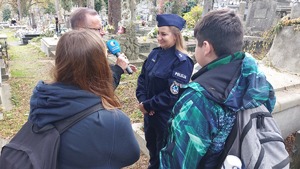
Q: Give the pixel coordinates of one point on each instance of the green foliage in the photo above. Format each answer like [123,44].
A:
[66,5]
[136,116]
[100,4]
[153,32]
[25,6]
[176,8]
[50,8]
[78,3]
[48,33]
[6,14]
[193,16]
[36,39]
[189,5]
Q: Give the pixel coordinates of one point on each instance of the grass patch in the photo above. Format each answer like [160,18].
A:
[27,66]
[18,73]
[10,33]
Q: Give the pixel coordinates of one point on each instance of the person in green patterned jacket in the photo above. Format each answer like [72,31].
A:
[229,81]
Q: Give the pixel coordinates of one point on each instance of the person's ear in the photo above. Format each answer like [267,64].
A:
[207,48]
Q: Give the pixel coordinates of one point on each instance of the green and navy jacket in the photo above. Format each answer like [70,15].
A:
[204,115]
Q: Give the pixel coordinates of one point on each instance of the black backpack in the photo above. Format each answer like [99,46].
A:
[37,148]
[256,139]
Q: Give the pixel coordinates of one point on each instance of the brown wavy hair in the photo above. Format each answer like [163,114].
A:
[81,61]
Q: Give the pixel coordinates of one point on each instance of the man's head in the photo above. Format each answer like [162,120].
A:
[222,29]
[85,18]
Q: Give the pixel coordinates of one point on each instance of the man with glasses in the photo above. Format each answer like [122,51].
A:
[86,18]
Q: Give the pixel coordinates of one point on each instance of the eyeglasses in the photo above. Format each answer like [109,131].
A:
[96,29]
[100,30]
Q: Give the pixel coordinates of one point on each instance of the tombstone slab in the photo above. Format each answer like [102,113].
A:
[261,15]
[285,52]
[295,13]
[48,46]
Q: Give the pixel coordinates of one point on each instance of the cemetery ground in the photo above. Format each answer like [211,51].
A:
[28,65]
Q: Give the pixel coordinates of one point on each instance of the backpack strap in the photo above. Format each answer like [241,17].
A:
[229,142]
[65,124]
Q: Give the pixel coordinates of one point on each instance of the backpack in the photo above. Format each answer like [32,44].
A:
[256,139]
[37,148]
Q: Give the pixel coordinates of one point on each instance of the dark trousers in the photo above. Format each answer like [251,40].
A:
[154,135]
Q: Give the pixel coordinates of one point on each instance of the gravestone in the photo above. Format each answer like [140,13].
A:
[295,13]
[128,40]
[145,10]
[261,15]
[283,8]
[285,52]
[241,10]
[48,46]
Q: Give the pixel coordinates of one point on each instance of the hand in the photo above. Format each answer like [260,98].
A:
[133,68]
[102,32]
[151,113]
[144,111]
[122,61]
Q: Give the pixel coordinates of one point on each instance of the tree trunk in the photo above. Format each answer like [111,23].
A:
[57,9]
[19,9]
[114,13]
[208,6]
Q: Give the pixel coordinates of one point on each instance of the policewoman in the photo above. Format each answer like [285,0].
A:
[166,68]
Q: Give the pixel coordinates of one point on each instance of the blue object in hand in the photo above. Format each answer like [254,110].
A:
[115,49]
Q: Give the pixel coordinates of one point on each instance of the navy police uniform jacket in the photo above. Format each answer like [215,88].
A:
[158,84]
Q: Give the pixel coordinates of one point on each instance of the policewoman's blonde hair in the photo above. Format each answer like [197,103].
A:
[180,44]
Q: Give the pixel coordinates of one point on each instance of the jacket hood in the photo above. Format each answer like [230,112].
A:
[52,102]
[236,82]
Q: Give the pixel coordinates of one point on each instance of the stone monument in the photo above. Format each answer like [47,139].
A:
[285,52]
[295,13]
[261,15]
[128,40]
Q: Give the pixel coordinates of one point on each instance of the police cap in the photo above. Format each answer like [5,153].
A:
[170,20]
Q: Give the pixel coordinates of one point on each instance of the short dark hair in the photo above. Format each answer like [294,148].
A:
[78,17]
[222,29]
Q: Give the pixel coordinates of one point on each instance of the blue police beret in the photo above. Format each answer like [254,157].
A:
[170,20]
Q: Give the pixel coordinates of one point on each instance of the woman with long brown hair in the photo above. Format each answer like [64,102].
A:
[81,79]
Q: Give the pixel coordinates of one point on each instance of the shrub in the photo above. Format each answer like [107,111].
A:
[193,16]
[6,14]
